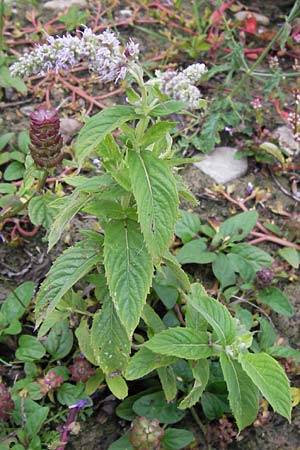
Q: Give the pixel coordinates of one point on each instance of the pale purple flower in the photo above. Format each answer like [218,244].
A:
[181,85]
[103,53]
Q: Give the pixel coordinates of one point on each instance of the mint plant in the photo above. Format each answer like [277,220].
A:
[136,201]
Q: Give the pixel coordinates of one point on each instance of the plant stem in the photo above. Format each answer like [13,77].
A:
[1,24]
[293,13]
[198,421]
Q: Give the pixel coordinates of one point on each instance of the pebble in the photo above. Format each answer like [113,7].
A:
[286,140]
[61,5]
[260,18]
[221,166]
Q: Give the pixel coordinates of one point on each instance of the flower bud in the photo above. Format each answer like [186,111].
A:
[46,140]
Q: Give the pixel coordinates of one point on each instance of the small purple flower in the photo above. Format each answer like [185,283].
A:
[80,403]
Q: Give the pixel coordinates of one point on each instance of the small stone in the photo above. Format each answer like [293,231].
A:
[221,166]
[260,18]
[61,5]
[286,140]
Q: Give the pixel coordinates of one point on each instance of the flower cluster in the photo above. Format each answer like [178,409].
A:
[81,369]
[181,85]
[103,53]
[6,403]
[50,382]
[46,140]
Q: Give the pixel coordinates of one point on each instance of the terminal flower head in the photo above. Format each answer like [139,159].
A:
[102,52]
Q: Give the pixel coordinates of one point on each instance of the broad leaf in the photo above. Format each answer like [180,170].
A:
[176,438]
[109,340]
[224,270]
[157,131]
[201,374]
[254,255]
[291,256]
[168,381]
[152,320]
[243,394]
[144,361]
[269,377]
[67,269]
[40,210]
[155,406]
[274,298]
[181,276]
[168,107]
[85,342]
[188,226]
[128,268]
[17,301]
[29,349]
[154,189]
[98,126]
[216,314]
[118,386]
[59,341]
[195,252]
[67,210]
[239,226]
[181,342]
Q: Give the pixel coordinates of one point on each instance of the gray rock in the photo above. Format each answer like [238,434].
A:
[61,5]
[221,166]
[286,140]
[260,18]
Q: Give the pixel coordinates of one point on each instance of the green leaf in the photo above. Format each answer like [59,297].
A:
[67,269]
[266,334]
[239,226]
[14,171]
[216,314]
[152,320]
[155,406]
[168,107]
[171,262]
[276,299]
[121,444]
[201,374]
[85,343]
[165,285]
[94,382]
[29,349]
[269,377]
[69,208]
[128,269]
[8,81]
[156,132]
[243,394]
[112,160]
[59,341]
[210,132]
[144,362]
[7,188]
[154,189]
[194,252]
[214,405]
[273,150]
[4,140]
[98,126]
[182,343]
[254,255]
[40,210]
[176,438]
[104,209]
[69,394]
[242,266]
[188,226]
[282,351]
[109,340]
[168,381]
[17,302]
[224,270]
[117,386]
[290,255]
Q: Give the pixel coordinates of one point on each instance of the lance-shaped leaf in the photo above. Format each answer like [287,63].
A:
[216,314]
[181,342]
[170,261]
[243,394]
[67,269]
[97,127]
[144,361]
[109,340]
[128,268]
[167,379]
[85,342]
[269,377]
[154,189]
[201,373]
